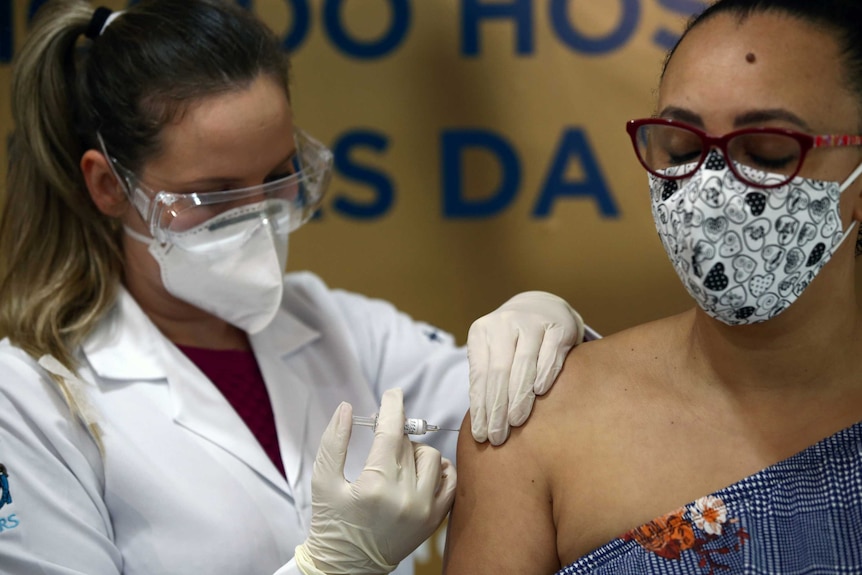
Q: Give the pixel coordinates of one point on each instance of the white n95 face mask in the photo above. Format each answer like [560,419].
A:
[231,266]
[745,254]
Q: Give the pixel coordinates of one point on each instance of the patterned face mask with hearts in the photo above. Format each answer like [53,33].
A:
[745,254]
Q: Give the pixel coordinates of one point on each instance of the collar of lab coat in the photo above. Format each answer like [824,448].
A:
[127,346]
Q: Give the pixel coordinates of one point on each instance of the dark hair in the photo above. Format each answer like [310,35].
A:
[60,260]
[159,56]
[842,17]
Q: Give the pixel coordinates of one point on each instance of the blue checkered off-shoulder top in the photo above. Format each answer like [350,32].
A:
[800,516]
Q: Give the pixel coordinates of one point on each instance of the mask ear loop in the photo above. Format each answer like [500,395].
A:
[138,236]
[854,175]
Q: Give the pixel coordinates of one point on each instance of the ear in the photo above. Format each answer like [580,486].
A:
[107,193]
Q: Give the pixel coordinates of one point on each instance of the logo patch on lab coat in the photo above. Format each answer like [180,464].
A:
[12,521]
[5,494]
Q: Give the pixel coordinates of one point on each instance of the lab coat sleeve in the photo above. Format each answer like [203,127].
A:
[57,521]
[398,351]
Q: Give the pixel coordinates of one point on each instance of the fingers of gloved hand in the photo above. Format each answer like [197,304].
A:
[328,470]
[428,467]
[555,346]
[446,486]
[444,490]
[519,412]
[504,379]
[522,380]
[513,360]
[435,485]
[390,448]
[478,357]
[492,421]
[498,427]
[411,510]
[546,309]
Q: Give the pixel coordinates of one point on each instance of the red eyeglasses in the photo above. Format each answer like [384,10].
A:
[761,157]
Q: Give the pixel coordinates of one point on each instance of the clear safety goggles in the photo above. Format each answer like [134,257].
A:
[285,203]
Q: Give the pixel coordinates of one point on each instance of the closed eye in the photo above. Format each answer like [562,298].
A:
[771,163]
[677,159]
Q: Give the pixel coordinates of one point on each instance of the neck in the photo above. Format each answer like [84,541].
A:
[811,347]
[815,342]
[198,329]
[766,357]
[780,388]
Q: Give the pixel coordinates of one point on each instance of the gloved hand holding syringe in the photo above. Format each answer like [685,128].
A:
[367,526]
[412,425]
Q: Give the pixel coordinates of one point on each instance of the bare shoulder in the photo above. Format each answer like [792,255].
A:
[513,501]
[593,429]
[607,377]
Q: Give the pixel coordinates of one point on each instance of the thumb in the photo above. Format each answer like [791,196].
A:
[329,463]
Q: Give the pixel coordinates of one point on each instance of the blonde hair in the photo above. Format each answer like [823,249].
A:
[59,258]
[60,261]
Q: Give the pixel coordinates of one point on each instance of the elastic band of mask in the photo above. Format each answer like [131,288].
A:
[854,175]
[137,235]
[102,18]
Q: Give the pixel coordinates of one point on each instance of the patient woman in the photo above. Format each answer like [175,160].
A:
[726,439]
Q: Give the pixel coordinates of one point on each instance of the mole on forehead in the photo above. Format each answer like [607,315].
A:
[750,58]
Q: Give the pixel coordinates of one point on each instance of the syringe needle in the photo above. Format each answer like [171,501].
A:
[430,427]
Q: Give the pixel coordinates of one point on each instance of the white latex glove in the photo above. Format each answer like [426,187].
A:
[516,352]
[400,498]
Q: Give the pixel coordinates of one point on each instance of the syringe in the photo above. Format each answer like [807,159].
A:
[413,426]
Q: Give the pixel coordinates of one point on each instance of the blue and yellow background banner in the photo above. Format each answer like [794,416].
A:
[480,150]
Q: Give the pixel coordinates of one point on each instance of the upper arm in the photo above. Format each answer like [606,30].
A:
[56,521]
[502,520]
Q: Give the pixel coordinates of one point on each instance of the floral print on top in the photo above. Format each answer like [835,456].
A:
[801,516]
[703,529]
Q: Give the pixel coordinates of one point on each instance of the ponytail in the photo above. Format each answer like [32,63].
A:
[59,259]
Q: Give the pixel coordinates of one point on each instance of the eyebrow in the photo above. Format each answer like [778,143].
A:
[228,182]
[682,115]
[743,120]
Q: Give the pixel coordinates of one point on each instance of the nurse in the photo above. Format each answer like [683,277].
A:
[165,388]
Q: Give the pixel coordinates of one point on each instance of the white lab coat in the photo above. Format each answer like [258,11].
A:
[183,486]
